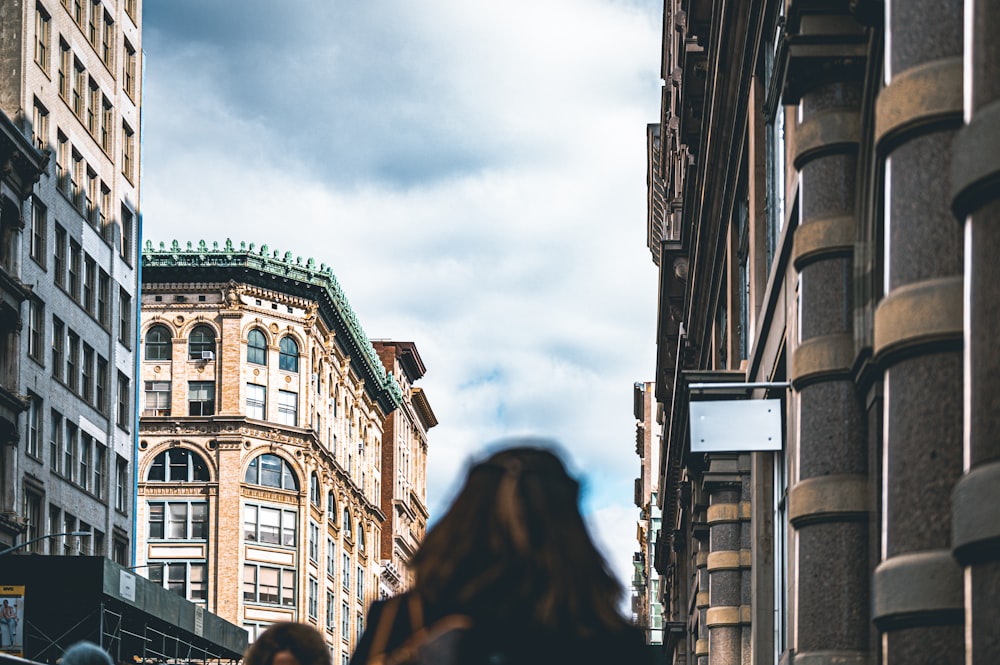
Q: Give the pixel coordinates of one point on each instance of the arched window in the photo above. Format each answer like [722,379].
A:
[158,343]
[314,490]
[271,471]
[331,508]
[288,359]
[347,524]
[178,465]
[201,344]
[256,347]
[361,538]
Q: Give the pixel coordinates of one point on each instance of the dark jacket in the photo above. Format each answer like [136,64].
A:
[488,642]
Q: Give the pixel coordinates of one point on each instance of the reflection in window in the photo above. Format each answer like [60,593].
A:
[288,359]
[178,465]
[272,526]
[185,579]
[271,471]
[178,520]
[201,344]
[266,584]
[158,345]
[256,347]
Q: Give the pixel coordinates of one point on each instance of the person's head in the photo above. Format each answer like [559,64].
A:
[288,643]
[513,541]
[85,653]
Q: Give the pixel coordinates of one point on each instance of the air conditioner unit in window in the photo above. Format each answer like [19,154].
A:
[208,355]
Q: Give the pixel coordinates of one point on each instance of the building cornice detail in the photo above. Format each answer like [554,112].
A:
[260,267]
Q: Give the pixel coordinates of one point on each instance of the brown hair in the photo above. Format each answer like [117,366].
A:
[513,547]
[305,643]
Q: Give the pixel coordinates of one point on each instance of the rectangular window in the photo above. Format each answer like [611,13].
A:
[100,469]
[186,579]
[69,450]
[345,621]
[124,420]
[128,152]
[331,607]
[58,345]
[89,284]
[76,181]
[62,163]
[40,127]
[313,541]
[360,619]
[107,129]
[87,374]
[312,598]
[36,330]
[130,8]
[101,385]
[33,513]
[331,557]
[43,37]
[361,583]
[39,231]
[108,42]
[85,457]
[73,272]
[267,584]
[201,398]
[72,376]
[346,570]
[94,25]
[127,231]
[256,401]
[288,408]
[125,318]
[122,484]
[157,402]
[35,410]
[65,64]
[103,297]
[128,74]
[55,441]
[93,107]
[93,190]
[271,526]
[78,12]
[79,87]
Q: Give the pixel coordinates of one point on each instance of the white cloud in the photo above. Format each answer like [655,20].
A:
[474,173]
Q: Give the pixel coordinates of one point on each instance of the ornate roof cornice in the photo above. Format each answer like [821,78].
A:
[268,269]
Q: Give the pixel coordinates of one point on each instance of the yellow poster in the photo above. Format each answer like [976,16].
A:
[11,620]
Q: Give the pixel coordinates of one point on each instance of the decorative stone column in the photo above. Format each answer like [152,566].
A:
[976,184]
[828,501]
[918,335]
[727,561]
[226,557]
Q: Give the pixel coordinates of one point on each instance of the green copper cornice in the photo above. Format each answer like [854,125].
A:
[243,263]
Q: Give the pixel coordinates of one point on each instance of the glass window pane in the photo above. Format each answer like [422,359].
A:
[269,525]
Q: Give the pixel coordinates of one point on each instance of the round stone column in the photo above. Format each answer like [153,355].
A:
[918,333]
[976,202]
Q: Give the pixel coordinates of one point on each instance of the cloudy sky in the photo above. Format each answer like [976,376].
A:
[474,172]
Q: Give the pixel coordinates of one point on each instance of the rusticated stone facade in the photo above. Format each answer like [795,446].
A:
[823,185]
[260,440]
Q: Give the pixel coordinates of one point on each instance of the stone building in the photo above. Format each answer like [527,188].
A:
[261,439]
[70,96]
[647,611]
[823,186]
[404,466]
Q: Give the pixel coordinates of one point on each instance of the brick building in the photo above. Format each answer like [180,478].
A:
[647,610]
[823,185]
[70,96]
[404,466]
[261,440]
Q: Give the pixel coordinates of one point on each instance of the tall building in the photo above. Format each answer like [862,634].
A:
[260,439]
[404,466]
[71,85]
[647,611]
[823,185]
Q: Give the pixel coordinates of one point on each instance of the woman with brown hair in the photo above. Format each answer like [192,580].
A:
[508,575]
[288,643]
